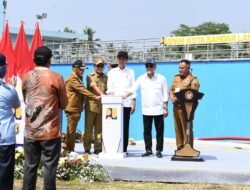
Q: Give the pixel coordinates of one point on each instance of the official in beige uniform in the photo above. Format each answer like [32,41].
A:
[182,81]
[97,84]
[76,93]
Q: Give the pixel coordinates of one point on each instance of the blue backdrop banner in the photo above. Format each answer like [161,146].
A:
[223,111]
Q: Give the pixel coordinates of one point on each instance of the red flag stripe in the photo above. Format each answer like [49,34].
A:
[22,53]
[36,41]
[7,49]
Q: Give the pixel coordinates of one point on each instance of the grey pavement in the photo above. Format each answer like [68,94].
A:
[225,162]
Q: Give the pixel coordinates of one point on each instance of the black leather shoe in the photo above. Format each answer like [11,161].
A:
[158,154]
[97,152]
[147,153]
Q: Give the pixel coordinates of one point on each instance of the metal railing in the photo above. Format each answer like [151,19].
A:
[140,50]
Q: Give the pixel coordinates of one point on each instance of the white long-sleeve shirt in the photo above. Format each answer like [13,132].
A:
[154,92]
[119,81]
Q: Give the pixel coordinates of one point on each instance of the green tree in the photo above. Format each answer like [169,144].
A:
[183,30]
[110,52]
[110,48]
[67,29]
[93,43]
[153,52]
[212,28]
[205,28]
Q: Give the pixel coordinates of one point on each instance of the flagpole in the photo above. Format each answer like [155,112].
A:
[41,17]
[4,12]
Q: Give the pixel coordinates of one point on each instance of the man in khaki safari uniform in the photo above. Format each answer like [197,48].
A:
[76,93]
[183,80]
[97,84]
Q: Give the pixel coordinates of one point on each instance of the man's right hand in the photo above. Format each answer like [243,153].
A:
[12,81]
[98,98]
[173,98]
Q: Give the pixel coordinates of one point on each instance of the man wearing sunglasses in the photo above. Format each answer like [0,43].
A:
[96,84]
[154,97]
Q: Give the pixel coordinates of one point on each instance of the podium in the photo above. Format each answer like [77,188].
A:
[189,102]
[112,127]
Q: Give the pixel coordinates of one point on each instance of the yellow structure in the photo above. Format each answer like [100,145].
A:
[206,39]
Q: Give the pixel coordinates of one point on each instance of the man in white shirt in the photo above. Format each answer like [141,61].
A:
[120,79]
[154,96]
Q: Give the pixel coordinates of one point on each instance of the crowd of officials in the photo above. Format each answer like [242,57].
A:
[46,94]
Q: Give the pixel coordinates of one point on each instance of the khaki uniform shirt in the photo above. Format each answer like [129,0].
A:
[44,95]
[189,81]
[101,82]
[76,92]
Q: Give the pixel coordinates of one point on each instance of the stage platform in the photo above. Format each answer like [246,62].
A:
[224,162]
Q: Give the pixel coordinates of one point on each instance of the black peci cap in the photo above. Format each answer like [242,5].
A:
[42,55]
[2,59]
[79,64]
[150,61]
[122,54]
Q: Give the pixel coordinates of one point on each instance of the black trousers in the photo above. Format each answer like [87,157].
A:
[159,127]
[126,118]
[50,152]
[7,164]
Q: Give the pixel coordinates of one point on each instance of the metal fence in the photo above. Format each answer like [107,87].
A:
[139,50]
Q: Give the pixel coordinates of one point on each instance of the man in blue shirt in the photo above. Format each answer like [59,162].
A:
[8,100]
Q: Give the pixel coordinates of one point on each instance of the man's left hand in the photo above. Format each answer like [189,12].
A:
[132,107]
[165,112]
[12,81]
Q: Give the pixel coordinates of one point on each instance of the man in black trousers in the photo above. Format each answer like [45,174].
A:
[45,96]
[8,100]
[154,93]
[120,79]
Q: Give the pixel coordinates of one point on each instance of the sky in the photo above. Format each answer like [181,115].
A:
[129,19]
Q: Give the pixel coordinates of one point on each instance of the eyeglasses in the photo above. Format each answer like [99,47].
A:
[149,65]
[182,68]
[100,66]
[80,69]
